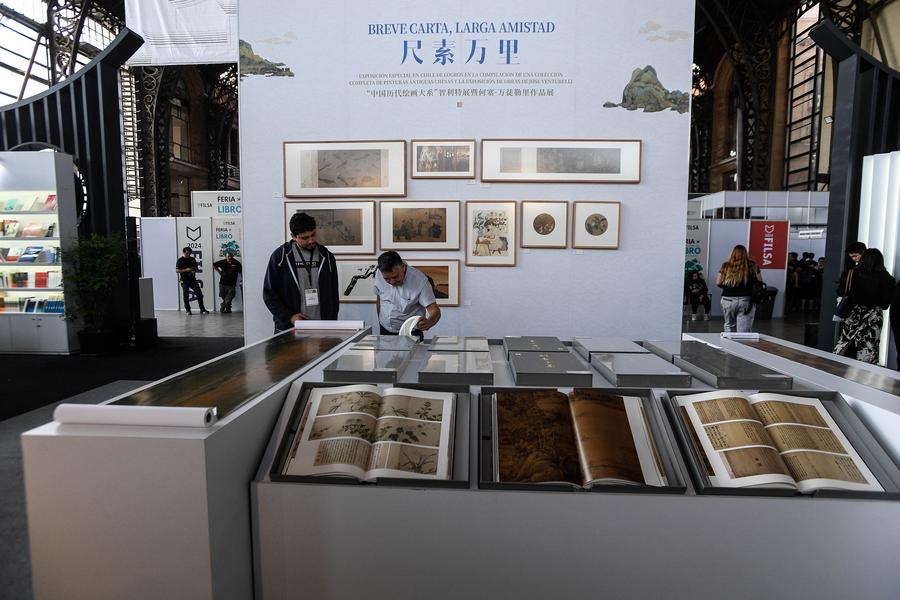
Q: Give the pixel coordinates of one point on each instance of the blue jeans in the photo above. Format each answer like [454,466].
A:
[736,314]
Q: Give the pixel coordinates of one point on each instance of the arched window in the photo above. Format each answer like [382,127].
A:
[179,125]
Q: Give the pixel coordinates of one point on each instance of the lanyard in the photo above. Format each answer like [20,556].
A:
[308,267]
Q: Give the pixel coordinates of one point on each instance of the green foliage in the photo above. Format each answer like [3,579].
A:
[92,269]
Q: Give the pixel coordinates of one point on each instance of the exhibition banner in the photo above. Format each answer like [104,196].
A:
[696,250]
[769,243]
[183,32]
[196,234]
[216,204]
[226,237]
[413,100]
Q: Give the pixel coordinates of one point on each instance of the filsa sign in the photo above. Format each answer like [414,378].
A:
[768,243]
[216,204]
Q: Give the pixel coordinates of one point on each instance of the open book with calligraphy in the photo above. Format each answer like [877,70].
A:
[361,432]
[772,440]
[587,437]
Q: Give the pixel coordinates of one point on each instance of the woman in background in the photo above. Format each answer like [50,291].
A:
[736,279]
[870,290]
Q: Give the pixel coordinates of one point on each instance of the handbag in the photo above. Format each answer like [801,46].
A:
[759,291]
[844,304]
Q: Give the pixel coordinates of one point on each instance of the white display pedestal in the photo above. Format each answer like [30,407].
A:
[356,541]
[149,512]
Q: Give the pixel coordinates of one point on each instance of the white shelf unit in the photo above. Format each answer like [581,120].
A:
[32,292]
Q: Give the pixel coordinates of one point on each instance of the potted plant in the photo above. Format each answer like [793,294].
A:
[93,268]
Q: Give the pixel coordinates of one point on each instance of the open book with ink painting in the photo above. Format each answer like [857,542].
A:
[585,438]
[361,432]
[772,440]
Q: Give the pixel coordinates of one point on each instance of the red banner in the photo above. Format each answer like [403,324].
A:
[769,243]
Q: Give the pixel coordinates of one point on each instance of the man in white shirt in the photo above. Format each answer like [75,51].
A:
[401,292]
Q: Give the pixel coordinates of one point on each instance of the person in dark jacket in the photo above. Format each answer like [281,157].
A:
[301,278]
[870,289]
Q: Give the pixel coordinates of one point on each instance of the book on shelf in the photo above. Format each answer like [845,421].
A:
[41,278]
[50,203]
[32,230]
[584,438]
[13,254]
[54,279]
[360,432]
[10,205]
[30,305]
[771,440]
[30,254]
[9,228]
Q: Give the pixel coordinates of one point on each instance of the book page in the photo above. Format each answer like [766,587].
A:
[734,440]
[812,445]
[534,440]
[606,431]
[336,436]
[413,436]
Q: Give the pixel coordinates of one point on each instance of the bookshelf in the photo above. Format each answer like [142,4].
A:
[37,226]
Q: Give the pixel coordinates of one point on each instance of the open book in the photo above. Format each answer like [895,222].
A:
[357,431]
[772,440]
[587,437]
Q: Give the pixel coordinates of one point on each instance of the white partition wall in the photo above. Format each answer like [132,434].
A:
[879,224]
[159,252]
[523,69]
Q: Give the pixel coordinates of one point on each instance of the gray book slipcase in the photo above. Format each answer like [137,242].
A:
[367,366]
[586,346]
[722,370]
[560,369]
[639,370]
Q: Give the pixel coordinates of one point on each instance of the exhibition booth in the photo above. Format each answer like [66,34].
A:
[556,435]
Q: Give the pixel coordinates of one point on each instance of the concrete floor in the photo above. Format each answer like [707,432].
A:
[176,323]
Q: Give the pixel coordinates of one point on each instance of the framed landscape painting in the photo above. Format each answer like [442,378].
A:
[544,224]
[424,225]
[490,234]
[344,227]
[443,276]
[345,169]
[442,159]
[596,225]
[356,279]
[561,161]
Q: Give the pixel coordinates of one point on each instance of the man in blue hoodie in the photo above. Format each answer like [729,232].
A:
[301,278]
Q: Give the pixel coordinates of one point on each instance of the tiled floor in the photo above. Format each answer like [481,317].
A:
[175,323]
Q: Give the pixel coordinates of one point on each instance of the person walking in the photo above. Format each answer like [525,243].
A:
[736,278]
[870,288]
[187,268]
[229,268]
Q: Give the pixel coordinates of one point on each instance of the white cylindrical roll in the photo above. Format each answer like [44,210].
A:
[161,416]
[318,325]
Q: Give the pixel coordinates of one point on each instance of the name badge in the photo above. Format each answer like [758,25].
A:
[311,296]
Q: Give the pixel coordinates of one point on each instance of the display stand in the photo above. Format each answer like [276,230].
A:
[318,540]
[163,512]
[37,226]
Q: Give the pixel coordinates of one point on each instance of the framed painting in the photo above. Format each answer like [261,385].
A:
[490,233]
[407,225]
[596,225]
[345,169]
[356,279]
[344,227]
[443,276]
[561,161]
[442,159]
[544,224]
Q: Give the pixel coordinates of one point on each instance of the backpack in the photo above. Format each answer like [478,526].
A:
[759,291]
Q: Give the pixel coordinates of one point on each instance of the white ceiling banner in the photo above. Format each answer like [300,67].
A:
[183,32]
